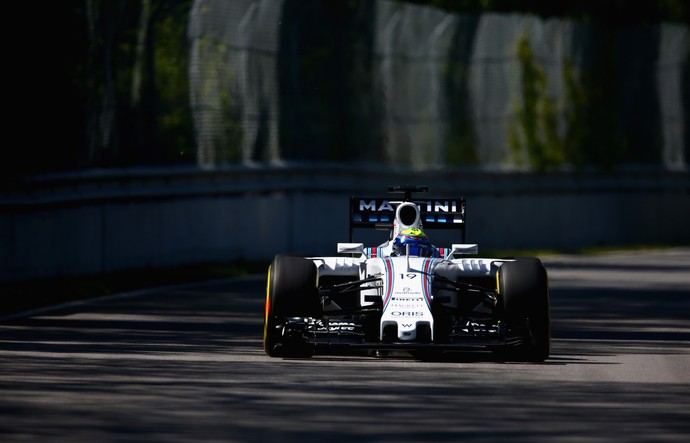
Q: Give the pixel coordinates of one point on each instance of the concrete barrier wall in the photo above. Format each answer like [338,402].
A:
[102,221]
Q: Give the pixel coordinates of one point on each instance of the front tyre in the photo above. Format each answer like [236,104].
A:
[290,292]
[524,290]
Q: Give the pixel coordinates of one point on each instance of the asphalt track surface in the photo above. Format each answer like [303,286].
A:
[185,364]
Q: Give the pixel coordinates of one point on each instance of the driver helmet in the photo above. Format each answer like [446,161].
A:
[418,242]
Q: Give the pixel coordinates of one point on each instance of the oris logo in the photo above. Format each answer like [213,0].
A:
[407,314]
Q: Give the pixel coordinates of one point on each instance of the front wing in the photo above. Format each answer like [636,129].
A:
[343,335]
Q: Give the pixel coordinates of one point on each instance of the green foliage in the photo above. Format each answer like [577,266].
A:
[461,144]
[135,83]
[593,135]
[171,62]
[536,134]
[95,48]
[462,149]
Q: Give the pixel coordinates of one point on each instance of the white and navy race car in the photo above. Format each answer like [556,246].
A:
[407,294]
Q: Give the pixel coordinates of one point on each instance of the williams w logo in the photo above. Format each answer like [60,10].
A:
[406,325]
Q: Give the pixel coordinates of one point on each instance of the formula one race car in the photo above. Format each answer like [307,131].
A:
[406,294]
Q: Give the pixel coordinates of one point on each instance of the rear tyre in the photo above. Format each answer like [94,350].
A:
[290,292]
[524,290]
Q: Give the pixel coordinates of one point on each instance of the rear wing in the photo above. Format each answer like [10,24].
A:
[435,213]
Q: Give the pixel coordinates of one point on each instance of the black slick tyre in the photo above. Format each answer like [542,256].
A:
[524,291]
[290,292]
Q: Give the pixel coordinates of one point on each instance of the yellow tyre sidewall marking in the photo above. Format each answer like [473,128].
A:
[267,306]
[498,285]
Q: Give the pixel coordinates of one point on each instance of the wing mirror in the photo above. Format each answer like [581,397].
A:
[351,248]
[464,249]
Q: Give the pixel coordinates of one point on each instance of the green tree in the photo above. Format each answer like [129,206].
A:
[593,135]
[135,81]
[535,133]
